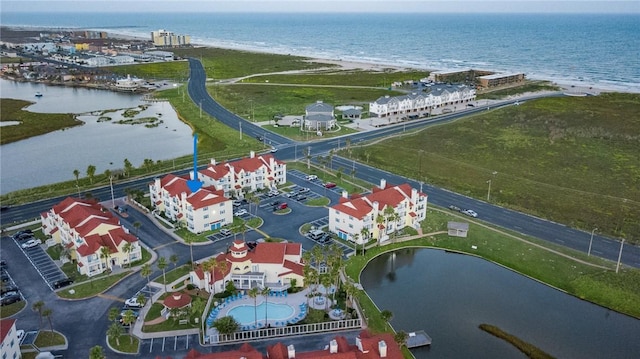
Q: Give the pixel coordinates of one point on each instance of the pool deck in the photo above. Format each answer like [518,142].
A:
[294,300]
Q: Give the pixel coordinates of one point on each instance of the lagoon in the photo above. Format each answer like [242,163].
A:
[448,295]
[52,157]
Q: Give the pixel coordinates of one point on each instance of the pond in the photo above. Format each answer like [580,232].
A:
[448,295]
[101,142]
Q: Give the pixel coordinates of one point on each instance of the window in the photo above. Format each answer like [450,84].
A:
[206,216]
[205,208]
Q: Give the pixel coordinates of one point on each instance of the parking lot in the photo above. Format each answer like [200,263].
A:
[168,344]
[45,266]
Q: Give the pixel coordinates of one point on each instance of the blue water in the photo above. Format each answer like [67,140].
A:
[582,49]
[246,314]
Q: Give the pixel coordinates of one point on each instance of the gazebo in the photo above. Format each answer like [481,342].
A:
[176,300]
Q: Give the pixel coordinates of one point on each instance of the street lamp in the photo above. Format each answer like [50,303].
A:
[620,255]
[591,241]
[200,108]
[113,201]
[489,189]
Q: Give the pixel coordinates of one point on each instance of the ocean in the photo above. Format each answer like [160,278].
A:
[602,51]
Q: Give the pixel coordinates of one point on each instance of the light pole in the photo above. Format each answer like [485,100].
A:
[78,187]
[240,123]
[489,189]
[620,255]
[591,241]
[200,108]
[113,201]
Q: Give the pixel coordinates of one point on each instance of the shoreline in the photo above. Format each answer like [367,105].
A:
[571,87]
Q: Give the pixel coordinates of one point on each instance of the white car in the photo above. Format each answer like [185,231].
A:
[273,192]
[133,302]
[30,243]
[303,190]
[20,335]
[311,177]
[274,150]
[241,212]
[470,213]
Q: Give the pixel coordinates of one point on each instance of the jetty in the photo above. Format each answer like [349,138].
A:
[418,339]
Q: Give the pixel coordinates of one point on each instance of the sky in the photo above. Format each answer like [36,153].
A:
[326,6]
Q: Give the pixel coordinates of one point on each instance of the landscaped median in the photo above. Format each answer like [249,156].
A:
[92,287]
[565,269]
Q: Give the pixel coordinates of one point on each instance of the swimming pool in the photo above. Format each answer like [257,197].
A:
[246,314]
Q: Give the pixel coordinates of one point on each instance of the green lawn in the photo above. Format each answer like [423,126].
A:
[92,287]
[11,309]
[47,338]
[573,160]
[128,343]
[174,274]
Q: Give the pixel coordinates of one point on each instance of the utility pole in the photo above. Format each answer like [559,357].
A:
[591,241]
[240,122]
[113,201]
[200,108]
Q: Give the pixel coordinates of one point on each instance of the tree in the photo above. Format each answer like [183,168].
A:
[48,313]
[37,307]
[96,352]
[105,253]
[364,232]
[115,331]
[128,248]
[401,338]
[174,260]
[265,293]
[197,306]
[128,318]
[127,167]
[91,172]
[162,265]
[137,226]
[379,222]
[107,173]
[326,283]
[146,271]
[114,313]
[76,174]
[386,315]
[253,293]
[226,325]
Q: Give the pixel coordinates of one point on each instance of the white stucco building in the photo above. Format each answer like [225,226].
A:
[250,174]
[200,211]
[421,103]
[362,218]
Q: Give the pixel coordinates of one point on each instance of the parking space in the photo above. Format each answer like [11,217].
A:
[45,266]
[219,236]
[320,222]
[169,344]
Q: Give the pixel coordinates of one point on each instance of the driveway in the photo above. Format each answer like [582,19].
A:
[46,267]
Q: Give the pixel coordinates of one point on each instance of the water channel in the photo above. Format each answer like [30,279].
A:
[52,157]
[448,295]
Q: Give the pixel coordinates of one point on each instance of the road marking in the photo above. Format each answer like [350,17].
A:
[151,346]
[597,252]
[559,240]
[112,297]
[164,245]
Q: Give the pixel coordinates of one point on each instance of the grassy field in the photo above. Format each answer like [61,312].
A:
[333,77]
[157,71]
[573,160]
[530,86]
[31,123]
[92,287]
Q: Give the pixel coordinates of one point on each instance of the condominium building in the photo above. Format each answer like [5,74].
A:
[93,235]
[249,174]
[164,38]
[496,80]
[422,103]
[379,214]
[200,211]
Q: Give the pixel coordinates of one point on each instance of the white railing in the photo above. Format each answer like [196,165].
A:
[277,332]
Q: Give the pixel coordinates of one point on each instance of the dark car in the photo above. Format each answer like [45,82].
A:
[330,185]
[275,203]
[454,208]
[259,138]
[10,299]
[8,288]
[3,264]
[62,283]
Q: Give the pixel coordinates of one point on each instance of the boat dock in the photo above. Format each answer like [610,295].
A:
[418,339]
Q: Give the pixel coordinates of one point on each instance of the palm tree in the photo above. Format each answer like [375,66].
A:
[105,253]
[48,313]
[386,315]
[97,352]
[350,290]
[401,338]
[253,293]
[356,237]
[162,265]
[76,174]
[222,266]
[189,240]
[128,248]
[174,260]
[115,331]
[365,237]
[265,293]
[395,218]
[91,171]
[127,167]
[37,307]
[379,222]
[127,319]
[388,215]
[137,226]
[146,271]
[114,313]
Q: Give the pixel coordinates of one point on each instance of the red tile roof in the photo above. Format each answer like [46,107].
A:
[177,300]
[5,326]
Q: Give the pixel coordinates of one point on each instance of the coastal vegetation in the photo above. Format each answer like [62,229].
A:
[30,123]
[528,349]
[573,160]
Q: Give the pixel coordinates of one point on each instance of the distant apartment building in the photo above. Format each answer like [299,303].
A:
[164,38]
[250,174]
[421,103]
[457,76]
[160,55]
[86,228]
[497,80]
[377,215]
[200,211]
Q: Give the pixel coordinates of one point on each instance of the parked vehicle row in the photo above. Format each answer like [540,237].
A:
[9,292]
[468,212]
[319,236]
